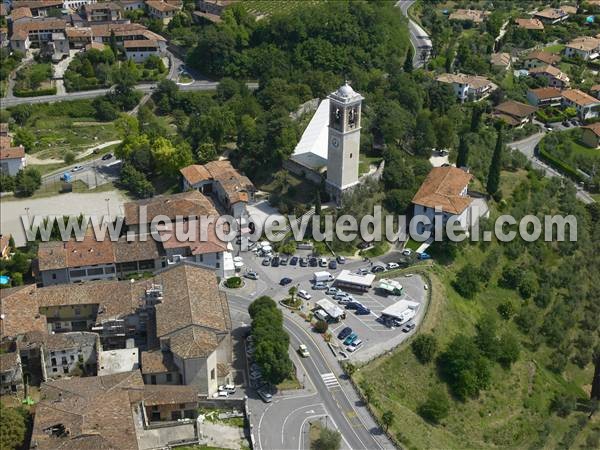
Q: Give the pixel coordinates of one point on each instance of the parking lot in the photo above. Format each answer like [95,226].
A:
[376,337]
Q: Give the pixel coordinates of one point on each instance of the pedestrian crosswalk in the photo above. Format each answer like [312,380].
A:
[330,380]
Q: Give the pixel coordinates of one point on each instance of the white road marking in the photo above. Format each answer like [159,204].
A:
[330,380]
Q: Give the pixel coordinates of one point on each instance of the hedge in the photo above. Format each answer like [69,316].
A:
[38,93]
[560,165]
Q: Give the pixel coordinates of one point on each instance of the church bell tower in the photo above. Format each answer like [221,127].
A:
[344,140]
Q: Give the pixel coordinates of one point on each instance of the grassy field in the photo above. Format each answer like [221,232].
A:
[513,412]
[365,163]
[555,48]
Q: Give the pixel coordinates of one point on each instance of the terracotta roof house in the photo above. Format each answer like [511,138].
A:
[543,97]
[501,60]
[232,189]
[11,373]
[587,48]
[539,58]
[587,107]
[20,14]
[446,188]
[469,15]
[554,76]
[530,24]
[551,15]
[19,312]
[468,87]
[514,113]
[162,10]
[38,7]
[102,12]
[12,158]
[590,135]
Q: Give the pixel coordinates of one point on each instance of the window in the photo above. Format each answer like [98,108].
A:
[182,406]
[169,378]
[80,358]
[77,311]
[72,357]
[54,276]
[65,369]
[350,155]
[212,374]
[152,379]
[217,265]
[53,361]
[54,369]
[64,360]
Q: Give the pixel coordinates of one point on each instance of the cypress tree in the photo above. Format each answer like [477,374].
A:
[408,62]
[493,181]
[462,160]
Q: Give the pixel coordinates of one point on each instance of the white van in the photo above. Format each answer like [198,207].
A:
[322,277]
[352,347]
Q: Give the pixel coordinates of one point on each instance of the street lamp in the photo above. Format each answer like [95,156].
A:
[107,207]
[28,215]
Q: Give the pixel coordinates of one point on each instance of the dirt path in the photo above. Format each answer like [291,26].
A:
[34,161]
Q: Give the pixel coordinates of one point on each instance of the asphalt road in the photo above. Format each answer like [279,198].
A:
[527,147]
[418,36]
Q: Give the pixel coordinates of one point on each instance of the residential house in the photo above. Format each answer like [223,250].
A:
[586,48]
[19,312]
[3,129]
[219,178]
[539,58]
[5,246]
[140,50]
[215,7]
[515,114]
[162,10]
[102,12]
[80,37]
[170,403]
[75,5]
[468,87]
[70,354]
[553,76]
[39,8]
[132,5]
[551,15]
[530,24]
[12,159]
[158,368]
[501,61]
[590,135]
[194,324]
[595,90]
[36,32]
[469,15]
[119,360]
[587,106]
[90,260]
[11,375]
[543,97]
[126,32]
[446,188]
[20,15]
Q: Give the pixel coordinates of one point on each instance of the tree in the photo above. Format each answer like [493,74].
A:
[595,392]
[493,181]
[260,304]
[462,160]
[12,428]
[436,407]
[113,43]
[563,403]
[25,138]
[387,418]
[27,181]
[69,157]
[476,113]
[292,292]
[425,138]
[509,349]
[321,326]
[105,109]
[424,347]
[408,61]
[464,368]
[467,281]
[327,440]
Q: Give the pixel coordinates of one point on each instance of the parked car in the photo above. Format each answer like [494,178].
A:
[340,295]
[266,261]
[333,264]
[354,346]
[363,311]
[407,252]
[377,269]
[229,388]
[341,260]
[344,333]
[323,262]
[313,262]
[354,305]
[303,262]
[392,266]
[283,261]
[320,286]
[265,396]
[362,271]
[408,327]
[77,168]
[566,123]
[285,281]
[333,291]
[364,245]
[107,156]
[293,260]
[303,294]
[251,275]
[351,338]
[423,256]
[344,301]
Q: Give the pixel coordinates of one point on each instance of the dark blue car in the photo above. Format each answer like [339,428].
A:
[363,311]
[344,333]
[353,305]
[293,261]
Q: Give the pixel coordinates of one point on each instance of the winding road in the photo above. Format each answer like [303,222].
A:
[418,36]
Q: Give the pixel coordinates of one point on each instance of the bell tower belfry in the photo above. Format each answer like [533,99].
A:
[344,140]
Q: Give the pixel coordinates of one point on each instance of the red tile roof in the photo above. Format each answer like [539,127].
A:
[442,188]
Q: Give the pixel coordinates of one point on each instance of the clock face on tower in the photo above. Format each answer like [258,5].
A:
[334,142]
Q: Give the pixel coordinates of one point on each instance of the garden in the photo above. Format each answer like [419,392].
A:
[34,80]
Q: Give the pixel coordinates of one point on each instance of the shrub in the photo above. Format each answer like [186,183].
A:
[436,406]
[563,404]
[69,157]
[233,282]
[424,347]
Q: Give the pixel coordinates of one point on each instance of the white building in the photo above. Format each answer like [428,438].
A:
[586,47]
[401,311]
[12,159]
[76,4]
[119,360]
[446,188]
[587,107]
[468,87]
[140,50]
[350,280]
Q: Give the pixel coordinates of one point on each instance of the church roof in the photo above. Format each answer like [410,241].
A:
[311,150]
